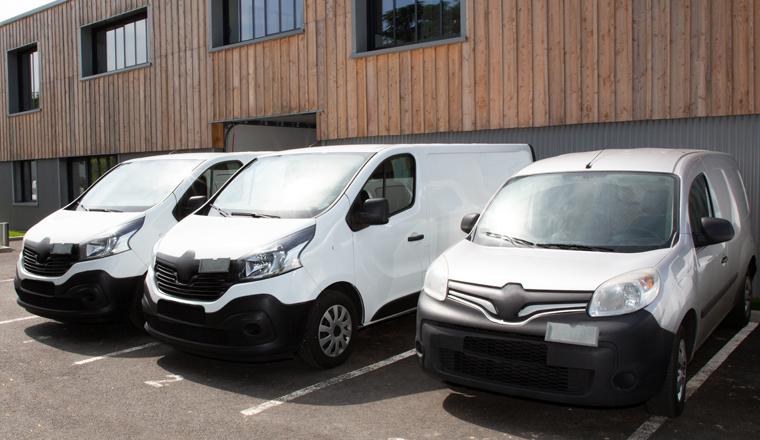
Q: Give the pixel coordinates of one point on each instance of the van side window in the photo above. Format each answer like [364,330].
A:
[700,204]
[208,183]
[394,180]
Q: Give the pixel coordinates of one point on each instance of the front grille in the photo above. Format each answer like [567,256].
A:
[52,303]
[540,377]
[182,312]
[202,286]
[507,350]
[54,266]
[203,335]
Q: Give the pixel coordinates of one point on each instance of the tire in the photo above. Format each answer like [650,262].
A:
[739,316]
[670,402]
[330,331]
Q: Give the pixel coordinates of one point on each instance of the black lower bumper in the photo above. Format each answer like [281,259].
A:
[459,345]
[250,329]
[87,297]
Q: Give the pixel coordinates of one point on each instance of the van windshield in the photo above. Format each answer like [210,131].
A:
[288,186]
[589,211]
[136,186]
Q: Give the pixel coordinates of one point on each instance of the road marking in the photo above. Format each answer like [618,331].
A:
[116,353]
[160,383]
[41,338]
[654,422]
[318,386]
[19,319]
[5,281]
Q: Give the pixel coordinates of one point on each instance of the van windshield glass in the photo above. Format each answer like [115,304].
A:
[136,186]
[589,211]
[288,186]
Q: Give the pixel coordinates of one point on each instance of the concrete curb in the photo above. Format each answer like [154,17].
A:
[15,238]
[5,249]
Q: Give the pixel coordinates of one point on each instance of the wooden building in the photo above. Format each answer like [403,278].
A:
[563,75]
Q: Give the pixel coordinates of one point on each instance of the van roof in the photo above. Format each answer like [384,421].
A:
[653,160]
[192,156]
[374,148]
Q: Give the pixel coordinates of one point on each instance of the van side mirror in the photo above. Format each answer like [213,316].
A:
[374,212]
[468,222]
[192,204]
[714,231]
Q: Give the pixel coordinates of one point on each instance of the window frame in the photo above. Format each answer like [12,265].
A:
[385,163]
[17,180]
[87,52]
[217,19]
[361,33]
[13,66]
[710,202]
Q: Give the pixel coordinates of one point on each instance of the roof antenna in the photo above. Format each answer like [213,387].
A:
[588,165]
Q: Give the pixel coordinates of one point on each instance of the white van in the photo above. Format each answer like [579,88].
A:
[302,248]
[87,261]
[592,278]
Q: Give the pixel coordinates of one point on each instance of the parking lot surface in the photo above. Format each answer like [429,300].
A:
[113,381]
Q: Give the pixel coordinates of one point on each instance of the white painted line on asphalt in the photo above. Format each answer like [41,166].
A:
[116,353]
[5,281]
[160,383]
[318,386]
[654,422]
[19,319]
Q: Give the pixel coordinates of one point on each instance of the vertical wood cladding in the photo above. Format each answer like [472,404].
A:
[526,63]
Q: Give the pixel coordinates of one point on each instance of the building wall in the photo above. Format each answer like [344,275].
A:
[525,63]
[23,216]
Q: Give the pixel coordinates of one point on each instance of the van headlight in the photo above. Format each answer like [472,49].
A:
[625,293]
[276,258]
[112,242]
[437,279]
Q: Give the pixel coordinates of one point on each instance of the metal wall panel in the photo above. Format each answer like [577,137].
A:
[736,135]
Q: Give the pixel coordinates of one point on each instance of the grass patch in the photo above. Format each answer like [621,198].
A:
[13,233]
[755,303]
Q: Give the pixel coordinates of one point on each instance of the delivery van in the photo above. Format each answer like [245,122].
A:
[592,278]
[301,249]
[86,262]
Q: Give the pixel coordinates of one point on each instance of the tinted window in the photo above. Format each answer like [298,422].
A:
[212,179]
[393,180]
[700,204]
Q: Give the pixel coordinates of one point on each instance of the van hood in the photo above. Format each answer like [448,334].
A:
[76,227]
[542,269]
[226,237]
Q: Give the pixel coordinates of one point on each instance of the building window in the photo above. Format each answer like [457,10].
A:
[399,22]
[23,79]
[84,171]
[25,181]
[238,21]
[115,44]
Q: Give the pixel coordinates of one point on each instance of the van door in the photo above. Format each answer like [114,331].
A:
[387,257]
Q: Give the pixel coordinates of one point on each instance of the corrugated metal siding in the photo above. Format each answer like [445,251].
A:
[736,135]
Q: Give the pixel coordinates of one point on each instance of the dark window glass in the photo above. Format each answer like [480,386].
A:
[27,81]
[700,204]
[84,171]
[249,19]
[25,181]
[399,22]
[120,45]
[393,180]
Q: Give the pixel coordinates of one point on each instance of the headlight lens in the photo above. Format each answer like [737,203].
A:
[437,279]
[625,293]
[113,242]
[276,258]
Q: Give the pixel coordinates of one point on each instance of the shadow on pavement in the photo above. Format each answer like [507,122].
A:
[89,340]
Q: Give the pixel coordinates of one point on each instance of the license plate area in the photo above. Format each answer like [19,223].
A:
[572,334]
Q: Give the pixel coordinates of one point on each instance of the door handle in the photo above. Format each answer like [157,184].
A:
[415,237]
[724,260]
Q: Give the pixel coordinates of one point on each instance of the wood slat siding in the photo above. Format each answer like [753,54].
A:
[525,63]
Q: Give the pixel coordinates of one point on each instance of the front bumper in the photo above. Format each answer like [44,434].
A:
[251,328]
[457,344]
[85,297]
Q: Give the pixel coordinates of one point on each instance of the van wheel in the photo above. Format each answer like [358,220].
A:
[330,331]
[740,314]
[672,397]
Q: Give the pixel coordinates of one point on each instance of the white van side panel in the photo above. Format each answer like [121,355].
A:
[462,183]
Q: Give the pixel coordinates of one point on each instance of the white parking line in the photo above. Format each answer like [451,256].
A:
[654,422]
[19,319]
[318,386]
[5,281]
[116,353]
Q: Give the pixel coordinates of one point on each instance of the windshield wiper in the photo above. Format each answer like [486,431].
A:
[102,209]
[254,215]
[83,207]
[220,210]
[515,241]
[575,247]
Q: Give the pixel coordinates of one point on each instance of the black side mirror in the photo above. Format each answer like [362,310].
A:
[374,212]
[192,204]
[468,222]
[715,230]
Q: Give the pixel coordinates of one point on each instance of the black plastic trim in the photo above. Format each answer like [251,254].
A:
[399,305]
